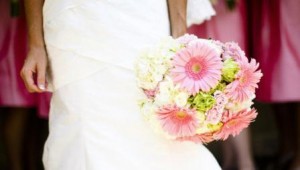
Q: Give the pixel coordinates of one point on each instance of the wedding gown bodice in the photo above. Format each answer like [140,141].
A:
[109,31]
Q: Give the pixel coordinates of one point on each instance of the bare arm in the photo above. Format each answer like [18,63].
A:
[36,61]
[177,15]
[33,9]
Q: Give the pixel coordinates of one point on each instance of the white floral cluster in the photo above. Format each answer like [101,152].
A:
[154,63]
[170,94]
[151,70]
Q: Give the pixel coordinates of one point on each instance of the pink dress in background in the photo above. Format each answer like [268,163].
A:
[13,49]
[276,39]
[226,25]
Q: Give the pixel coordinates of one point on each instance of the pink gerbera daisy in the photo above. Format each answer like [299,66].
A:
[178,121]
[235,123]
[245,84]
[201,138]
[197,67]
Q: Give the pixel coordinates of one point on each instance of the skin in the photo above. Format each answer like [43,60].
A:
[177,15]
[33,72]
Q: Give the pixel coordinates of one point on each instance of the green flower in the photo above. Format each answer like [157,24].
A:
[220,87]
[215,127]
[202,101]
[229,70]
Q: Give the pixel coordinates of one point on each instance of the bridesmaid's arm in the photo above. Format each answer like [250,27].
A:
[177,15]
[36,61]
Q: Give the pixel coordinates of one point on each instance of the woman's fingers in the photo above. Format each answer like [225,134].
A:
[41,76]
[28,78]
[34,70]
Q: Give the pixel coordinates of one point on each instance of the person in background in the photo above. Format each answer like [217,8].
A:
[275,43]
[230,24]
[17,107]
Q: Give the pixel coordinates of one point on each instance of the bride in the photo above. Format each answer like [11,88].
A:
[90,46]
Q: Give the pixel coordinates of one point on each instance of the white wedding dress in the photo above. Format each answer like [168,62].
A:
[95,123]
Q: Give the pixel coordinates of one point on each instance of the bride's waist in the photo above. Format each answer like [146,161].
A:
[116,57]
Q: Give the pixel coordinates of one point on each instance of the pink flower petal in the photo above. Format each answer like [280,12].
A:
[202,67]
[178,121]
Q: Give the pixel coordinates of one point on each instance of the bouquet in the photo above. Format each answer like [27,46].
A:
[197,89]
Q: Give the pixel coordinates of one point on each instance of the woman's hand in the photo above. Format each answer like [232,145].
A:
[33,72]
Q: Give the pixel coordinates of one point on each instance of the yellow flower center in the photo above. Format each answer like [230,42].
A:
[196,68]
[180,114]
[243,80]
[232,123]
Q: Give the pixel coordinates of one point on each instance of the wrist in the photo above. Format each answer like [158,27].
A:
[179,32]
[36,42]
[37,46]
[38,51]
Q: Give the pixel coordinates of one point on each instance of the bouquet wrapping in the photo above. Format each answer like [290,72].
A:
[197,89]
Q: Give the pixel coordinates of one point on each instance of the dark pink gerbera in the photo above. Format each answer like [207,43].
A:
[246,82]
[234,123]
[178,121]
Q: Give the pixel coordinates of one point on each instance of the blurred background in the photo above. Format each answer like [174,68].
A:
[268,30]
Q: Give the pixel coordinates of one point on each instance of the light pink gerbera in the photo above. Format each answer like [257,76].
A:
[235,123]
[178,121]
[244,86]
[201,138]
[197,67]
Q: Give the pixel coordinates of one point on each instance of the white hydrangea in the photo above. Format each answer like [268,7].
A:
[147,107]
[181,99]
[170,44]
[171,94]
[152,65]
